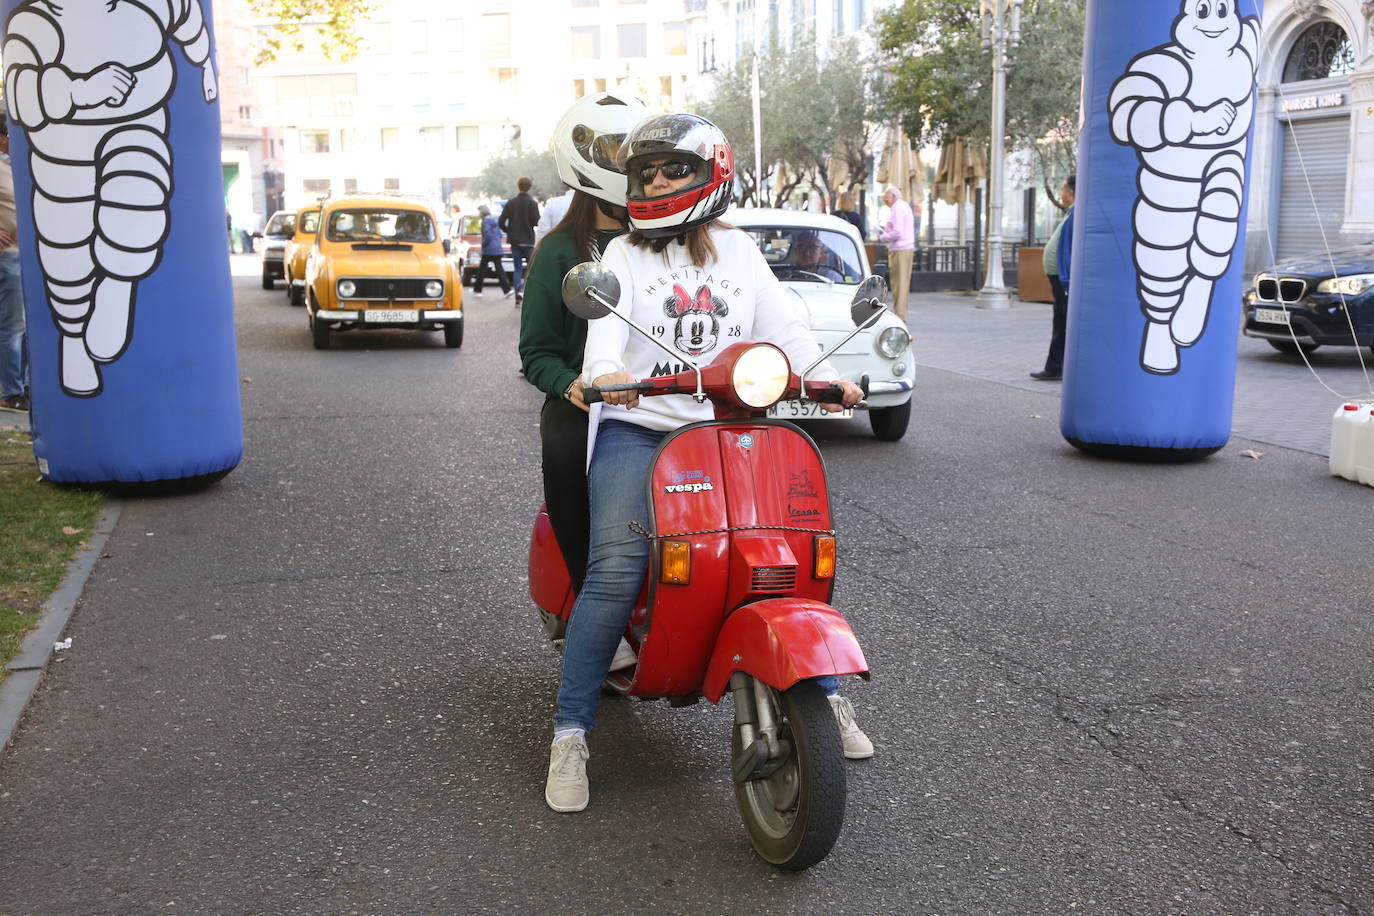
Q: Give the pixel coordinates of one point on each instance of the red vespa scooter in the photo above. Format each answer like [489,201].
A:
[741,572]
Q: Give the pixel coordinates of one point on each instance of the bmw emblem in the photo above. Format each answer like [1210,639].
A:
[746,441]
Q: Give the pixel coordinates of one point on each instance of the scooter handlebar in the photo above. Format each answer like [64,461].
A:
[591,394]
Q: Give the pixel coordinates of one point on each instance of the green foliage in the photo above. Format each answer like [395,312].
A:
[498,176]
[812,109]
[334,23]
[940,78]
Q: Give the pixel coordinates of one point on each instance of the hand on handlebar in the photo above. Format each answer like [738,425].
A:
[627,398]
[853,394]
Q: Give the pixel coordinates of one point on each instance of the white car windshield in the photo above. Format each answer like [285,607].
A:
[808,255]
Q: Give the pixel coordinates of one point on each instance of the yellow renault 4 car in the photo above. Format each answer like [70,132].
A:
[307,221]
[379,262]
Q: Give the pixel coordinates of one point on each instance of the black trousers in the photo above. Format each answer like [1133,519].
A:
[1054,360]
[495,261]
[563,436]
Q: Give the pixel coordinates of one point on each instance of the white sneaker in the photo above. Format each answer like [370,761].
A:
[566,789]
[477,294]
[624,656]
[856,743]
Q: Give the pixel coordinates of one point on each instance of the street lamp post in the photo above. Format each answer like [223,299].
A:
[1001,32]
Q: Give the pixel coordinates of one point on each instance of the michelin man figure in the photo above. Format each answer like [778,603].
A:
[90,81]
[1186,108]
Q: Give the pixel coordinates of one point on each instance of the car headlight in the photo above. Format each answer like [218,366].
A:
[893,342]
[434,289]
[760,376]
[1352,285]
[347,288]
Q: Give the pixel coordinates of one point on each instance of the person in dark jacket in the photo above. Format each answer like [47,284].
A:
[844,209]
[492,252]
[1058,252]
[517,221]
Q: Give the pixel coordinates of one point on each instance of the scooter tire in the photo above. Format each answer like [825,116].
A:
[794,816]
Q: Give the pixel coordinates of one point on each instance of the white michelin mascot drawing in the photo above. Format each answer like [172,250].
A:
[1186,108]
[89,81]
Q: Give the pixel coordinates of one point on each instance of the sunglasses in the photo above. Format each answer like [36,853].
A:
[673,171]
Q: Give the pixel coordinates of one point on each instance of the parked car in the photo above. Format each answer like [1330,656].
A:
[281,226]
[467,249]
[298,250]
[1310,302]
[820,260]
[379,262]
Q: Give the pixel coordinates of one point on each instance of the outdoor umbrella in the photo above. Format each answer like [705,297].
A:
[900,166]
[960,168]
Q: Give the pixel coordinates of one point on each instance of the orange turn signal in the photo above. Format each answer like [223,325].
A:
[674,562]
[825,556]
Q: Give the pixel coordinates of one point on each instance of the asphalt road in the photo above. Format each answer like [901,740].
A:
[318,687]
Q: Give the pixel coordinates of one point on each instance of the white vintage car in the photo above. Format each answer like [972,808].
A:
[820,260]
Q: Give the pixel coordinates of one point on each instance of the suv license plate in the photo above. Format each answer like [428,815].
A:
[806,410]
[391,316]
[1272,316]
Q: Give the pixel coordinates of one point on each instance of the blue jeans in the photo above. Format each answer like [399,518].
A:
[520,256]
[616,564]
[12,355]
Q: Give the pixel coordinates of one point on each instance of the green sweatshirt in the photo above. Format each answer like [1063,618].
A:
[551,337]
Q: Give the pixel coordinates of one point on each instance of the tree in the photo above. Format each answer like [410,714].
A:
[333,22]
[940,78]
[499,175]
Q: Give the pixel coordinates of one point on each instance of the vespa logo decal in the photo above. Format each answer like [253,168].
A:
[800,485]
[689,482]
[794,512]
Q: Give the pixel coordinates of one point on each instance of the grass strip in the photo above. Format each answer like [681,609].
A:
[41,527]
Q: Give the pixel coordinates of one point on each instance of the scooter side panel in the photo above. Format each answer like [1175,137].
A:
[550,587]
[781,641]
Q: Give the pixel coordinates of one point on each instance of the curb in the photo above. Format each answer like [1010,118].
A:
[26,670]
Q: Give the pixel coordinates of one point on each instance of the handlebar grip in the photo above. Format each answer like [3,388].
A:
[591,394]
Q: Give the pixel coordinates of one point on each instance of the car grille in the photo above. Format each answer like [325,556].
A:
[773,579]
[391,287]
[1282,289]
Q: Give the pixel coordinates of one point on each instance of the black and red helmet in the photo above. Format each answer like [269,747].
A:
[685,138]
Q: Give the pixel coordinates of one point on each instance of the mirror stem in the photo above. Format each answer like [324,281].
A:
[699,396]
[801,379]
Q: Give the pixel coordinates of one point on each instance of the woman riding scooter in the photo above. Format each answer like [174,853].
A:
[700,285]
[585,145]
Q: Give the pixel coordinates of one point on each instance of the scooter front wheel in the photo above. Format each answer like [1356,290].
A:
[794,814]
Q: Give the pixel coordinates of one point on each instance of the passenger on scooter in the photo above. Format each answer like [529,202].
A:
[586,142]
[699,285]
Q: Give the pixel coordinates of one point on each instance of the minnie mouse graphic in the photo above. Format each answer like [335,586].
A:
[698,319]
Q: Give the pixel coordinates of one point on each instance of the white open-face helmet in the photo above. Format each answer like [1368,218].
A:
[587,139]
[692,144]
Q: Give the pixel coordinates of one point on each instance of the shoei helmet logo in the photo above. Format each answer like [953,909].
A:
[746,441]
[689,482]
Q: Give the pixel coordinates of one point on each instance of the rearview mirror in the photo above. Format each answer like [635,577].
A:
[590,291]
[870,299]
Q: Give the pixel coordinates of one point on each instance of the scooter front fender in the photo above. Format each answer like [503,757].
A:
[781,641]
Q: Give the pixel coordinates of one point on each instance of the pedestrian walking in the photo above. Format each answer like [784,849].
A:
[899,235]
[1056,261]
[492,253]
[555,208]
[518,220]
[845,210]
[13,352]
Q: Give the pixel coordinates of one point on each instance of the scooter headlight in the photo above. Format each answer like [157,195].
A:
[893,342]
[760,376]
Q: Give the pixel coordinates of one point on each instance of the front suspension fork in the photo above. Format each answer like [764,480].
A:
[761,752]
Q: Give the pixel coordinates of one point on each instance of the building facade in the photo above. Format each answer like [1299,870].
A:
[1312,166]
[252,176]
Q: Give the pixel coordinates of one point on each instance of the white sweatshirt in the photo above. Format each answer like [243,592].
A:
[697,311]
